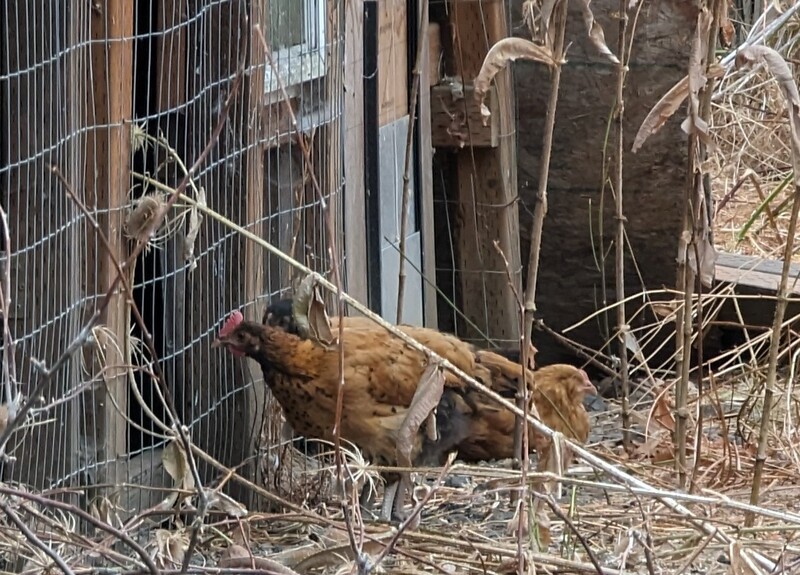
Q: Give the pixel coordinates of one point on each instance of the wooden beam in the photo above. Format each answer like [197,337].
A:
[354,198]
[754,272]
[392,61]
[427,225]
[456,119]
[254,260]
[487,188]
[107,188]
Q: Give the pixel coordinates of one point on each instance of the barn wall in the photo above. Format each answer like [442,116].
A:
[570,283]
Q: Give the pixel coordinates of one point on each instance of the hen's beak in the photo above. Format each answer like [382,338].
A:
[217,342]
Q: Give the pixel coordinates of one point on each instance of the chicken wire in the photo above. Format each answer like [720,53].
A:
[75,85]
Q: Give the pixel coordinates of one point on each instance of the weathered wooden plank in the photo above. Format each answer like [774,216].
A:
[255,281]
[487,211]
[456,119]
[108,183]
[355,207]
[392,61]
[428,76]
[755,272]
[433,48]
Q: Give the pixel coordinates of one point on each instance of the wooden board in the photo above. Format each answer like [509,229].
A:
[755,272]
[355,207]
[392,61]
[433,48]
[428,226]
[487,189]
[456,119]
[108,184]
[255,283]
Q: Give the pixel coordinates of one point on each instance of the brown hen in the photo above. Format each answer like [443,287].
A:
[480,428]
[381,374]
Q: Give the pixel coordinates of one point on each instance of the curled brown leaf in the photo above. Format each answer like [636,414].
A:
[503,52]
[426,398]
[668,105]
[778,67]
[694,124]
[596,35]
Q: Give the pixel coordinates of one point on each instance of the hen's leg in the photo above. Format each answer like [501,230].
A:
[366,500]
[390,493]
[398,509]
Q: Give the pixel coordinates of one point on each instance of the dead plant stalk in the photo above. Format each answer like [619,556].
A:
[619,244]
[412,118]
[560,25]
[783,74]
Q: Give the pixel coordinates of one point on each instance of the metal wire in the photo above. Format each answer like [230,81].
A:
[60,70]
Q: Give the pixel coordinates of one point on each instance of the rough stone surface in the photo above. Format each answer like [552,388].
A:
[570,284]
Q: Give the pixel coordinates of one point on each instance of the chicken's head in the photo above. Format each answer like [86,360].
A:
[574,381]
[233,336]
[280,314]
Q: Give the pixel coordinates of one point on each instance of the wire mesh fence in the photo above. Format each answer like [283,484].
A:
[108,107]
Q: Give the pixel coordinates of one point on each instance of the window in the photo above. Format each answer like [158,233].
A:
[297,40]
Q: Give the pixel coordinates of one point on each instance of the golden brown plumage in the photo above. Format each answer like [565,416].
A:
[381,374]
[480,428]
[558,392]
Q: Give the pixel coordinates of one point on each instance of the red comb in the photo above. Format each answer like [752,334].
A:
[230,324]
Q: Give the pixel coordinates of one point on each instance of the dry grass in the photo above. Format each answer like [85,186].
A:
[750,128]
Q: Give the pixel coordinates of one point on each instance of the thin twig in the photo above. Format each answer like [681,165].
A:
[623,330]
[33,538]
[9,347]
[422,28]
[559,24]
[88,517]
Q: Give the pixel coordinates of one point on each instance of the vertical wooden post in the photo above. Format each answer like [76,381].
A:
[108,183]
[253,255]
[355,206]
[427,225]
[170,67]
[487,187]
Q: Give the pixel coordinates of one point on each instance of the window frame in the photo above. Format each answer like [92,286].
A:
[303,62]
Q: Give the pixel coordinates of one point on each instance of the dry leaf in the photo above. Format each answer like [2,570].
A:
[664,309]
[694,124]
[726,32]
[546,15]
[173,457]
[707,269]
[660,413]
[3,417]
[171,547]
[333,557]
[262,564]
[308,308]
[783,75]
[503,52]
[195,219]
[595,31]
[426,398]
[223,502]
[667,106]
[319,324]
